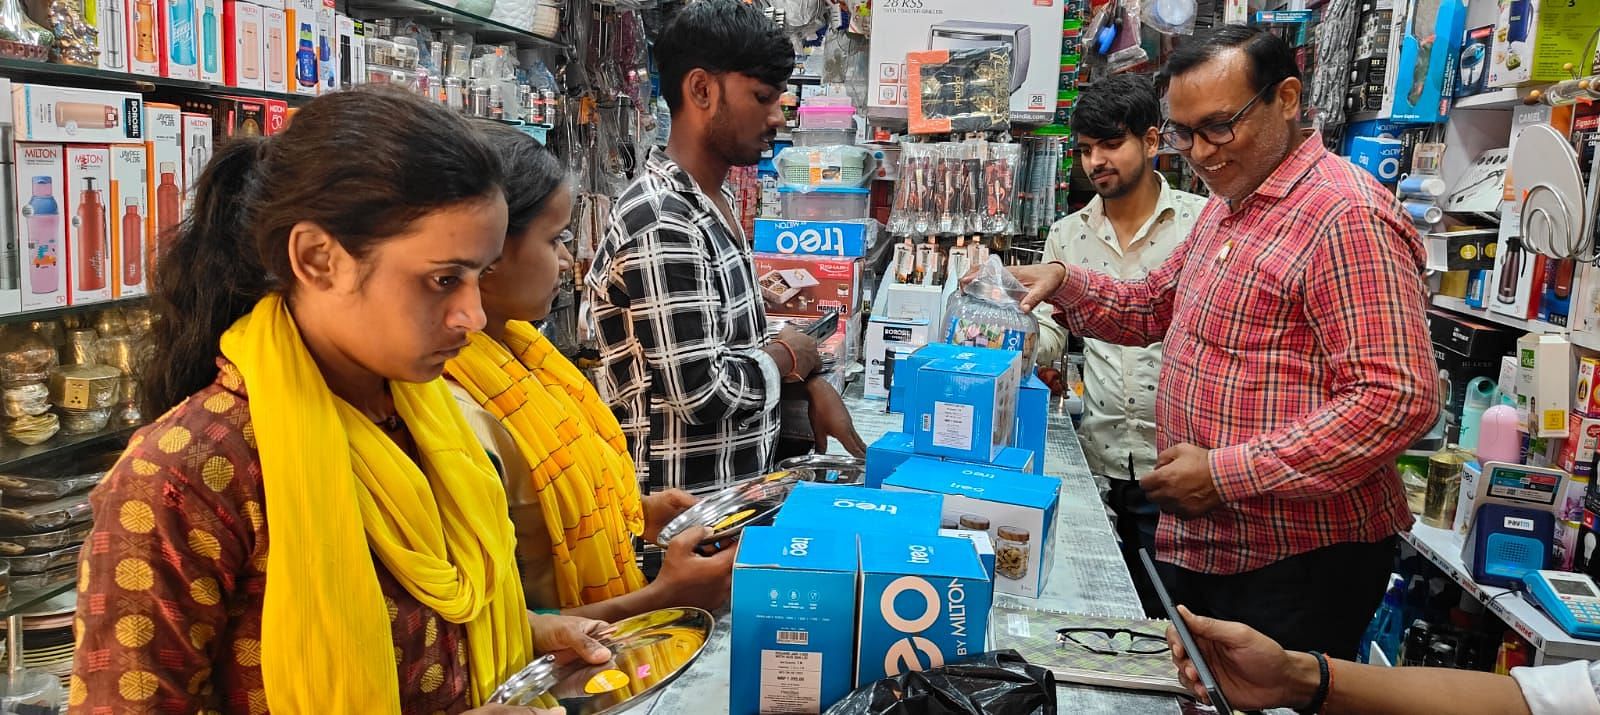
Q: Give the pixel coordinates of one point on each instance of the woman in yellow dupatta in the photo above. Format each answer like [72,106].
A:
[570,481]
[308,307]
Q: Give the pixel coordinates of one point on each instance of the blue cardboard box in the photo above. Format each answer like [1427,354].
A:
[965,407]
[1017,509]
[1033,421]
[794,616]
[885,455]
[844,239]
[1379,156]
[859,510]
[1426,73]
[903,387]
[924,602]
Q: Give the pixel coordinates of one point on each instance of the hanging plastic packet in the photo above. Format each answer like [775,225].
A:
[1170,17]
[987,313]
[999,188]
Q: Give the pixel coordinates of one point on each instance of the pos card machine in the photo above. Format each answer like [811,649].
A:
[1571,600]
[1513,523]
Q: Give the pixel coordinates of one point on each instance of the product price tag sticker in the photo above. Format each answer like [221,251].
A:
[1017,625]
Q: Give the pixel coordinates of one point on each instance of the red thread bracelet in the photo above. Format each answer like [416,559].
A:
[794,363]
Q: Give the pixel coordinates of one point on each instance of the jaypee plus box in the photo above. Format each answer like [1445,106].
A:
[965,408]
[924,602]
[1018,510]
[860,510]
[794,617]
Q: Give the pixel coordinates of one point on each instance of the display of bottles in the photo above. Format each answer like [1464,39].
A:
[132,242]
[112,28]
[305,58]
[44,237]
[210,24]
[180,43]
[248,61]
[144,26]
[91,226]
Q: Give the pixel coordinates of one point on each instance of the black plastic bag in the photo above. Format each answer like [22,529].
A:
[994,683]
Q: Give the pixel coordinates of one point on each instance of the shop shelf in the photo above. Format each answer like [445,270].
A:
[442,13]
[52,313]
[15,456]
[1443,548]
[1505,98]
[20,602]
[1460,306]
[52,73]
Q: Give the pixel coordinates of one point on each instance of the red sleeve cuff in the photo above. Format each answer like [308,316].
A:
[1230,471]
[1074,288]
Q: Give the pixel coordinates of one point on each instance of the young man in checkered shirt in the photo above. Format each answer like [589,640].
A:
[688,368]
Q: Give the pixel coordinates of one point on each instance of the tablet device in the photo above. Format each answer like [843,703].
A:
[1206,680]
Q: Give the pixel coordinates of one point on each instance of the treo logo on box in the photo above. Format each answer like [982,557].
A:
[865,506]
[828,239]
[915,652]
[798,546]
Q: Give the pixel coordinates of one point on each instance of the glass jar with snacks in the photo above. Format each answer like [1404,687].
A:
[1011,552]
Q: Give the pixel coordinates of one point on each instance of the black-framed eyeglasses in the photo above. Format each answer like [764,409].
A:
[1181,137]
[1113,641]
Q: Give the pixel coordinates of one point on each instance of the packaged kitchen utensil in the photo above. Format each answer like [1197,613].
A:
[955,188]
[753,502]
[837,165]
[987,313]
[959,91]
[44,516]
[993,683]
[648,651]
[19,544]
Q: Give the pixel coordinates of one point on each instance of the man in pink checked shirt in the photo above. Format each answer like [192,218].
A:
[1297,361]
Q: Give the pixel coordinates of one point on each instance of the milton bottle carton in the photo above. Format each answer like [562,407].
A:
[924,602]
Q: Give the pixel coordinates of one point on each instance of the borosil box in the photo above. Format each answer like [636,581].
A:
[245,42]
[808,285]
[965,408]
[88,224]
[894,448]
[42,224]
[130,202]
[63,114]
[164,143]
[924,602]
[859,510]
[793,620]
[1018,511]
[886,337]
[276,66]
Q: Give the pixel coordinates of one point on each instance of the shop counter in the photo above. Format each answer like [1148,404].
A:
[1088,577]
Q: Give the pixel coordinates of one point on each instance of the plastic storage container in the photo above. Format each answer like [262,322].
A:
[824,166]
[824,137]
[824,203]
[815,117]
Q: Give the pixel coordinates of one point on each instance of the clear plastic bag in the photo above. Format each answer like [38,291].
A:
[1170,17]
[987,313]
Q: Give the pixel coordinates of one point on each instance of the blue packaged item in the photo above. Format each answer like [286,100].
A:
[893,448]
[980,543]
[847,239]
[793,620]
[1375,128]
[904,385]
[1427,68]
[924,602]
[859,510]
[1379,156]
[1033,420]
[966,407]
[1018,510]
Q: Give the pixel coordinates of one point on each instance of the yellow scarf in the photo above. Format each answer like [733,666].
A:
[339,492]
[582,472]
